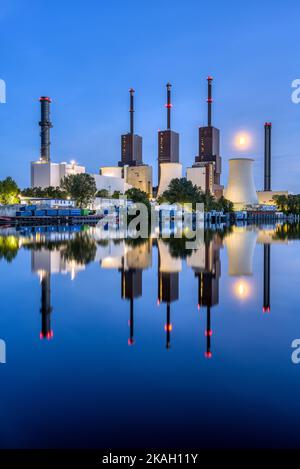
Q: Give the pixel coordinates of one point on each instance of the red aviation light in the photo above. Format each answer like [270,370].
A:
[208,355]
[208,333]
[209,78]
[45,98]
[130,342]
[209,100]
[198,307]
[168,327]
[169,106]
[266,309]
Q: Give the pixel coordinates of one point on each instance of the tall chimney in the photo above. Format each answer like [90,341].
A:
[268,131]
[209,100]
[45,125]
[168,106]
[131,110]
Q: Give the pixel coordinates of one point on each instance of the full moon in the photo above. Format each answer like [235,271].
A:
[242,140]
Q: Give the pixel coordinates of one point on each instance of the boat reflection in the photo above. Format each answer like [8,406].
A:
[68,250]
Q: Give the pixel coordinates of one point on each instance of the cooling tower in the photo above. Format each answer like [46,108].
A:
[168,171]
[241,188]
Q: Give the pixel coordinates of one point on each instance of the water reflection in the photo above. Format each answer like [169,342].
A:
[68,250]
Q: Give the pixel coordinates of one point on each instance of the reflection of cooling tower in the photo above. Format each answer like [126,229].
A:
[168,171]
[168,263]
[240,249]
[241,187]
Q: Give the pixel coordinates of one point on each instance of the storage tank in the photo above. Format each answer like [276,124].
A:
[241,188]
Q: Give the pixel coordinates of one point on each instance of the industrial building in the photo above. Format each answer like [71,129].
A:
[206,171]
[139,177]
[202,176]
[168,140]
[168,151]
[131,143]
[134,172]
[44,173]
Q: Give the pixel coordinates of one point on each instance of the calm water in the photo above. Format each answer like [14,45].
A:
[125,344]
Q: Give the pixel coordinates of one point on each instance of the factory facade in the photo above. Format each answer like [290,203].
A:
[131,171]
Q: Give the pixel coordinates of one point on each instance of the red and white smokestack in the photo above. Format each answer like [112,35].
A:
[268,132]
[131,110]
[168,105]
[209,99]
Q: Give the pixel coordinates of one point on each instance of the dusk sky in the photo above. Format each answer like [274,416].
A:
[85,55]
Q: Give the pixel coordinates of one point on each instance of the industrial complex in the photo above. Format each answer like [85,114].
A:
[131,171]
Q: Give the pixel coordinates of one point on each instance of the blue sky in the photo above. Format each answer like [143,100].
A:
[86,55]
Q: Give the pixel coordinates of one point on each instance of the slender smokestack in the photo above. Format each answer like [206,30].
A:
[168,106]
[45,125]
[209,100]
[131,110]
[268,131]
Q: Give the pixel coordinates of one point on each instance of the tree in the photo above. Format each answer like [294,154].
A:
[102,193]
[138,196]
[82,249]
[9,191]
[181,191]
[51,192]
[80,187]
[289,204]
[116,195]
[224,205]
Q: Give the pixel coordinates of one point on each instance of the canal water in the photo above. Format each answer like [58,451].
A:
[113,343]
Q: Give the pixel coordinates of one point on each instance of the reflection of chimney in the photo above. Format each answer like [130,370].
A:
[46,309]
[208,286]
[168,284]
[45,125]
[267,253]
[131,287]
[168,327]
[208,333]
[131,324]
[268,130]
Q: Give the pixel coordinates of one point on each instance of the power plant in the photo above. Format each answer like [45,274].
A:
[206,171]
[168,151]
[168,140]
[130,171]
